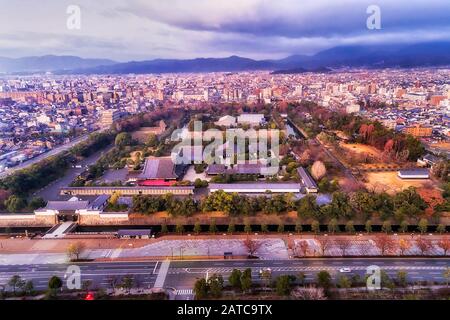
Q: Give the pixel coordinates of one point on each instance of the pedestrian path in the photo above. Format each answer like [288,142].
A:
[59,232]
[162,273]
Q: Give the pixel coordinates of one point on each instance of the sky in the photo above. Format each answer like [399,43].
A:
[125,30]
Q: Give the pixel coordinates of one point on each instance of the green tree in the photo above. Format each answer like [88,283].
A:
[368,226]
[280,228]
[36,203]
[264,228]
[440,228]
[307,207]
[247,228]
[231,228]
[422,226]
[349,227]
[127,283]
[386,281]
[315,226]
[301,278]
[123,139]
[152,140]
[333,226]
[179,228]
[402,278]
[246,280]
[212,226]
[235,279]
[215,283]
[16,282]
[15,203]
[404,226]
[323,279]
[344,282]
[386,227]
[283,285]
[164,228]
[200,289]
[29,287]
[54,284]
[298,227]
[197,228]
[446,275]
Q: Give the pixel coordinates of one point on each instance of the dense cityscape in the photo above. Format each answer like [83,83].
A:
[293,177]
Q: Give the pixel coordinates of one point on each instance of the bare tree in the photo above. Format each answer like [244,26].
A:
[343,245]
[324,243]
[303,246]
[252,246]
[385,244]
[364,247]
[113,281]
[444,244]
[404,245]
[424,245]
[310,293]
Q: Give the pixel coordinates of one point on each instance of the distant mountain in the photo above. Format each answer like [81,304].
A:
[233,63]
[368,56]
[49,63]
[302,70]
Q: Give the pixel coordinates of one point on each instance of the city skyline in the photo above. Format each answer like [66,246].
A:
[254,29]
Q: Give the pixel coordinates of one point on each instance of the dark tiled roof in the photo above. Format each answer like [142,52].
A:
[258,186]
[158,168]
[134,232]
[413,172]
[66,205]
[306,178]
[99,201]
[216,169]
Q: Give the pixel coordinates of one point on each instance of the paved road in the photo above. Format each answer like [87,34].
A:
[344,169]
[99,273]
[45,155]
[181,275]
[51,191]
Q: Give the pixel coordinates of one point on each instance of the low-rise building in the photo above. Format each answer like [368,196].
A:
[307,181]
[414,174]
[255,187]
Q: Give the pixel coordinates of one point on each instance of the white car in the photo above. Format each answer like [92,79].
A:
[345,270]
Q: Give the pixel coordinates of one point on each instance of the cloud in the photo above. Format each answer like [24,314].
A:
[147,29]
[291,18]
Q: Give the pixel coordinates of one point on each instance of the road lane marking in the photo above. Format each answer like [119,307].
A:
[154,270]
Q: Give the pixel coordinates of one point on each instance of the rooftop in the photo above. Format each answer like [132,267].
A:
[306,178]
[258,186]
[158,168]
[66,205]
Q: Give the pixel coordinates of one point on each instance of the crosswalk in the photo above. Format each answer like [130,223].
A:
[184,292]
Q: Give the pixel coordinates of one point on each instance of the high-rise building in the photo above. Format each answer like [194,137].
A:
[109,117]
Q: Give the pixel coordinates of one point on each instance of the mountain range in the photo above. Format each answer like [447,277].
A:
[49,63]
[427,54]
